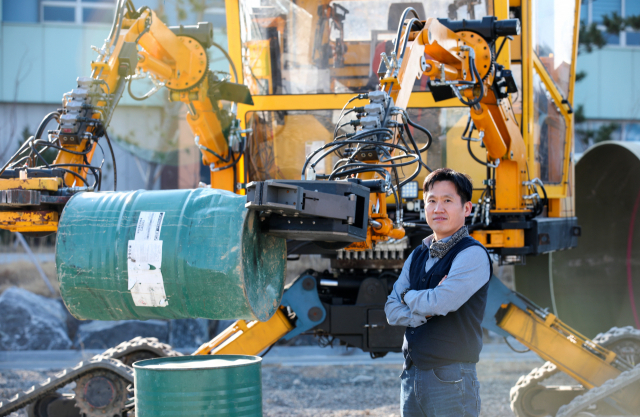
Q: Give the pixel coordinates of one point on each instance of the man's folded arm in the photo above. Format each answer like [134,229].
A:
[397,313]
[469,272]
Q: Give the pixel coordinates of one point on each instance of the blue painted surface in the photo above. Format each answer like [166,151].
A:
[25,11]
[497,295]
[610,89]
[58,14]
[301,300]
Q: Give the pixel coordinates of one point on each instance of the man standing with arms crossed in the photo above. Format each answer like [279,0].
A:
[440,296]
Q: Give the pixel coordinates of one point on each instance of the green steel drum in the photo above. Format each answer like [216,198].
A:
[218,385]
[167,254]
[597,284]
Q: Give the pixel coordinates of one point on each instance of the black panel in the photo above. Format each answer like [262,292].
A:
[311,220]
[34,173]
[348,320]
[552,234]
[382,334]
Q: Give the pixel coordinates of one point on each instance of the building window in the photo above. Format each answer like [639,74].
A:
[594,10]
[78,11]
[590,132]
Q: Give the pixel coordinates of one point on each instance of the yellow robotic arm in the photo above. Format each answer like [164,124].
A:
[460,64]
[33,192]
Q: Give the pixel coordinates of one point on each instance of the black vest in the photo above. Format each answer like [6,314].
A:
[456,337]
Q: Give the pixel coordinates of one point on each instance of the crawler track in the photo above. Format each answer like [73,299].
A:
[624,341]
[113,365]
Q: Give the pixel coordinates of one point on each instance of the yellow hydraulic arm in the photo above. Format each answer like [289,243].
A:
[459,64]
[592,365]
[248,337]
[174,58]
[178,62]
[301,310]
[573,353]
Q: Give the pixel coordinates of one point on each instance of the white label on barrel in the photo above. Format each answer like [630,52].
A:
[144,262]
[149,225]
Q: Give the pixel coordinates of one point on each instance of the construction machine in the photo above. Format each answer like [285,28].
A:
[337,148]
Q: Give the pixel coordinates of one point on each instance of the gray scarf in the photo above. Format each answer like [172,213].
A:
[438,249]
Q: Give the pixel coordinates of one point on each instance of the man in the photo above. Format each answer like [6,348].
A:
[440,296]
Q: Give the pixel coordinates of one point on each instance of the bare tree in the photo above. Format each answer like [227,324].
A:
[12,126]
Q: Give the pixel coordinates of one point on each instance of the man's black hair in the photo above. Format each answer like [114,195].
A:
[462,182]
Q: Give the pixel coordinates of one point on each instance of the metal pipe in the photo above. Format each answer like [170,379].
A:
[596,285]
[192,110]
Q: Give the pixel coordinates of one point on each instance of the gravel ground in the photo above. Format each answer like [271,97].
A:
[370,390]
[334,391]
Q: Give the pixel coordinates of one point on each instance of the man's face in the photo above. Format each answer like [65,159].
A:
[444,209]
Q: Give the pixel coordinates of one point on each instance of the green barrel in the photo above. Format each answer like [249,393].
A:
[218,385]
[167,254]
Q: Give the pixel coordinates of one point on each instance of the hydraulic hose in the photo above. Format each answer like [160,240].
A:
[133,96]
[476,74]
[335,146]
[401,25]
[423,130]
[43,124]
[380,170]
[341,144]
[419,158]
[342,114]
[211,151]
[36,152]
[406,36]
[234,161]
[475,158]
[371,166]
[226,55]
[113,158]
[117,24]
[114,25]
[147,26]
[39,132]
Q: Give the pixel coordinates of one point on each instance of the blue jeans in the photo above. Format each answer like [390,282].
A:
[448,391]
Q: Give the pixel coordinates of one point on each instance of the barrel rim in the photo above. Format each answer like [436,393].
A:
[142,364]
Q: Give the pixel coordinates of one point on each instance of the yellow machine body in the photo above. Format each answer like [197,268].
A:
[513,130]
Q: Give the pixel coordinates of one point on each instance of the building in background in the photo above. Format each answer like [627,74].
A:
[46,44]
[609,93]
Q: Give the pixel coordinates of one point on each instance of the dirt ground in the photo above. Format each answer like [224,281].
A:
[335,391]
[24,274]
